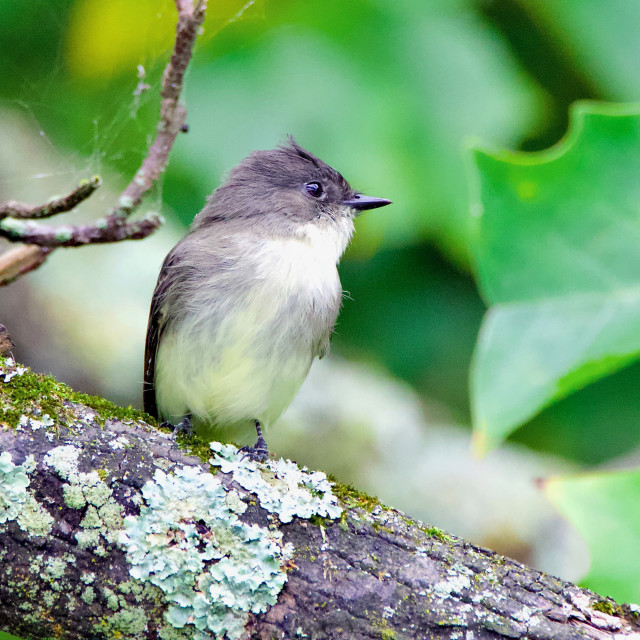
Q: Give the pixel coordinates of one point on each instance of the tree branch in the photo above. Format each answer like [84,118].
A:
[53,207]
[20,260]
[16,219]
[172,113]
[101,232]
[109,529]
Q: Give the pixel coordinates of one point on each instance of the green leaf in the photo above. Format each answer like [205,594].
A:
[558,256]
[603,507]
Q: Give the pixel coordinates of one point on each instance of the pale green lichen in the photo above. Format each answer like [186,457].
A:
[18,371]
[121,442]
[73,496]
[111,598]
[91,519]
[88,595]
[63,233]
[14,226]
[87,577]
[63,460]
[131,586]
[111,515]
[456,580]
[214,577]
[153,216]
[284,489]
[34,424]
[54,568]
[128,623]
[88,539]
[17,503]
[125,202]
[171,633]
[103,517]
[96,492]
[13,487]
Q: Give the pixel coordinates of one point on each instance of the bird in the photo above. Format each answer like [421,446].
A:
[249,297]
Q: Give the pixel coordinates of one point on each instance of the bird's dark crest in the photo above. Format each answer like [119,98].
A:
[293,146]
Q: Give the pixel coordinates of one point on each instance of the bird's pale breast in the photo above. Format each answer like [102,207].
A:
[227,369]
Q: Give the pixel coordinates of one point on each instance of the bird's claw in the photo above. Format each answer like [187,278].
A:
[258,452]
[183,427]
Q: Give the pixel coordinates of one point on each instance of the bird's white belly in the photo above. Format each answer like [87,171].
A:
[249,364]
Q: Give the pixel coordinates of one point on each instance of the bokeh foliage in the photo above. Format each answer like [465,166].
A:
[557,258]
[388,91]
[603,507]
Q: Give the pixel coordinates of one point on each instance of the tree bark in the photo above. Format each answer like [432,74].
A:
[68,571]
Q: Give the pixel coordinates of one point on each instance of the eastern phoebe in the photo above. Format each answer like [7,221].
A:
[248,298]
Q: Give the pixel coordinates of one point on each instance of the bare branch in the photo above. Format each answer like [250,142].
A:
[54,206]
[16,218]
[172,113]
[101,232]
[16,262]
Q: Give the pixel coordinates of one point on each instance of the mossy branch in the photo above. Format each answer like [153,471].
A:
[109,529]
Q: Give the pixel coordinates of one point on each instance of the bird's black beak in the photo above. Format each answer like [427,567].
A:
[360,202]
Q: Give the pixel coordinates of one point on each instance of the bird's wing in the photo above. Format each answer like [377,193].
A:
[154,331]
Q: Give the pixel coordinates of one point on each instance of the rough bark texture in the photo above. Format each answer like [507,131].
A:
[372,573]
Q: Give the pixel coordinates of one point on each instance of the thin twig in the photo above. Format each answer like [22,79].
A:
[16,219]
[20,260]
[101,232]
[172,114]
[54,206]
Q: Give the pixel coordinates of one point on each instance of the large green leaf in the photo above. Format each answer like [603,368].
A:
[603,507]
[558,257]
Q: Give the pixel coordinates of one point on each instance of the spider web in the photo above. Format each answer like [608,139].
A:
[59,131]
[75,113]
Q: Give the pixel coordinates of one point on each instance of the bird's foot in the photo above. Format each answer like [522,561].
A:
[258,452]
[183,427]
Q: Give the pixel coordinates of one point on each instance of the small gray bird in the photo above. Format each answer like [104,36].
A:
[248,298]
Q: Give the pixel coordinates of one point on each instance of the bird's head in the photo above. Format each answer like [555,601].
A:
[284,189]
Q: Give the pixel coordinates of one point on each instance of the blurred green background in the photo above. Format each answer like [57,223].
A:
[389,92]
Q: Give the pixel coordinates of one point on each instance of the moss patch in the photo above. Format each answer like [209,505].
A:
[434,532]
[609,607]
[351,497]
[107,409]
[194,446]
[24,392]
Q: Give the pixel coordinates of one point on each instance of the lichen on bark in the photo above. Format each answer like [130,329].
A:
[365,572]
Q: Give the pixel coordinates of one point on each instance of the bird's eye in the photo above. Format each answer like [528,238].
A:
[314,189]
